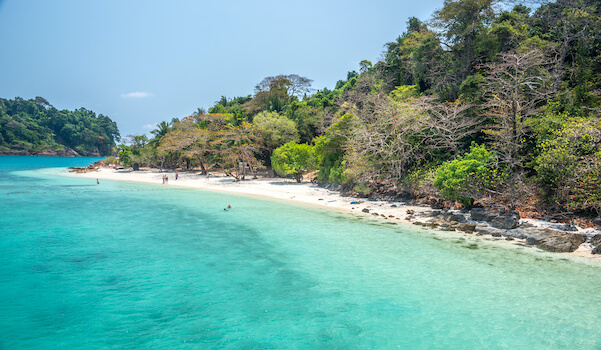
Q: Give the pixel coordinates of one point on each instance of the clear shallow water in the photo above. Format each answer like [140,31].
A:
[123,265]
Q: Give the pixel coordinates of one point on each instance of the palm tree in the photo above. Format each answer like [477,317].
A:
[162,129]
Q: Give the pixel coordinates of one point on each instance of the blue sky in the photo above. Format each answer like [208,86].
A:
[141,62]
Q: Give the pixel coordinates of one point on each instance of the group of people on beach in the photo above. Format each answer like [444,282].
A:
[165,179]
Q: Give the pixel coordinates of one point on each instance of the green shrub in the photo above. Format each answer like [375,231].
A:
[293,159]
[362,189]
[109,160]
[466,177]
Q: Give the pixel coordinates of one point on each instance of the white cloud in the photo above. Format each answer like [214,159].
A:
[137,94]
[149,126]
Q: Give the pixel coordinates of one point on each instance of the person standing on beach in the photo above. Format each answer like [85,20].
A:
[175,176]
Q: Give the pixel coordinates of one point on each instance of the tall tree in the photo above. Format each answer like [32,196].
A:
[460,23]
[517,86]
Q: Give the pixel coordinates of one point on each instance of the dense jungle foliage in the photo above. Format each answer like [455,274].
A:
[488,101]
[35,126]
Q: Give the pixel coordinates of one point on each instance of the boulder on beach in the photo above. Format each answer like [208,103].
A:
[556,241]
[505,221]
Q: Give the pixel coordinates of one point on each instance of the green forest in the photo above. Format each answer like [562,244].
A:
[489,101]
[36,127]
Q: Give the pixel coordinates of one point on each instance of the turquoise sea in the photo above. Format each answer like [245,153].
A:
[134,266]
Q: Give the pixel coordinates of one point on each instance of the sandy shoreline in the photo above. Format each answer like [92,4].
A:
[278,188]
[287,189]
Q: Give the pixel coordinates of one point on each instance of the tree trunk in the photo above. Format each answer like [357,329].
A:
[203,170]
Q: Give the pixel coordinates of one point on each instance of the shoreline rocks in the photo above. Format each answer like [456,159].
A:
[507,225]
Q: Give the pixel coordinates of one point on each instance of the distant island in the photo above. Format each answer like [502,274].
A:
[35,127]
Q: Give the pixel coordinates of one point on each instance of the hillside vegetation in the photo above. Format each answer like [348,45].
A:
[36,127]
[488,101]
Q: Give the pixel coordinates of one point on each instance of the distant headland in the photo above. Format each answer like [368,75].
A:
[35,127]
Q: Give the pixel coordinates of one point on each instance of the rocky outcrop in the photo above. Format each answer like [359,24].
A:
[89,168]
[480,214]
[447,221]
[556,241]
[506,225]
[595,241]
[504,220]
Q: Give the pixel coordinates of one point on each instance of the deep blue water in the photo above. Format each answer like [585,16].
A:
[134,266]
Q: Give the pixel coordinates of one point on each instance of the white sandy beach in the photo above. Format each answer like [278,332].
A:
[288,189]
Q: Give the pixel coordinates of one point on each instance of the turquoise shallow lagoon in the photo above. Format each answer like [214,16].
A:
[135,266]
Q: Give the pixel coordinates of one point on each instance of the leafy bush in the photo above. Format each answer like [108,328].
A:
[465,178]
[293,159]
[569,164]
[109,160]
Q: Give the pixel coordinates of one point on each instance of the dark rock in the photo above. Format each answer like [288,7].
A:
[506,222]
[570,227]
[448,217]
[454,217]
[393,206]
[531,240]
[466,227]
[436,203]
[479,214]
[595,241]
[445,227]
[365,210]
[556,241]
